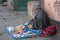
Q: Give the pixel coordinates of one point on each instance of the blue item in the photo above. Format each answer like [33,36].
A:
[25,24]
[6,30]
[38,32]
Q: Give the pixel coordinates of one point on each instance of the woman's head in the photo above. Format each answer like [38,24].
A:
[38,8]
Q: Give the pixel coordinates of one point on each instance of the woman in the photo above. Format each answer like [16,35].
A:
[41,19]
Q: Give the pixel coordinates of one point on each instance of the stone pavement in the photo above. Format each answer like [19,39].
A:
[9,18]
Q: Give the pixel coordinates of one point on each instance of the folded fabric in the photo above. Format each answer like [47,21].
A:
[50,30]
[38,32]
[23,35]
[26,34]
[9,29]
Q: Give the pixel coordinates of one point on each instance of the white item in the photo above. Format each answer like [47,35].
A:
[28,32]
[10,29]
[22,35]
[16,35]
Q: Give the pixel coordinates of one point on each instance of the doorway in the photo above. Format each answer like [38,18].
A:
[21,5]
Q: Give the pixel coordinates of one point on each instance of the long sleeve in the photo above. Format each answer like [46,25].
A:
[40,20]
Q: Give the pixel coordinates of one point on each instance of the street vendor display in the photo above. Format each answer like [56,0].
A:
[22,31]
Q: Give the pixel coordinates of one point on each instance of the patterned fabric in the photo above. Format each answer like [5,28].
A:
[48,31]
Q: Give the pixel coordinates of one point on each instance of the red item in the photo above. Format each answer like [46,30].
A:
[48,31]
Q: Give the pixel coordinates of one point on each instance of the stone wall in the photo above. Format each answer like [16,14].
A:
[51,9]
[10,4]
[1,2]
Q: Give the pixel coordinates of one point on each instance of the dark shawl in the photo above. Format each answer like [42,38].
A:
[40,21]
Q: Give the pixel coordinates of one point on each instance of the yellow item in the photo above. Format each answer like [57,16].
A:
[20,31]
[29,26]
[20,27]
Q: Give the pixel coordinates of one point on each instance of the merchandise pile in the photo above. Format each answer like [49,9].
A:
[26,31]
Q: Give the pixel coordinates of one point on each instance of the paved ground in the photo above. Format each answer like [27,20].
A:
[8,18]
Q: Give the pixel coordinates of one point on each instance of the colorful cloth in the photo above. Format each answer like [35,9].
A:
[26,34]
[50,30]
